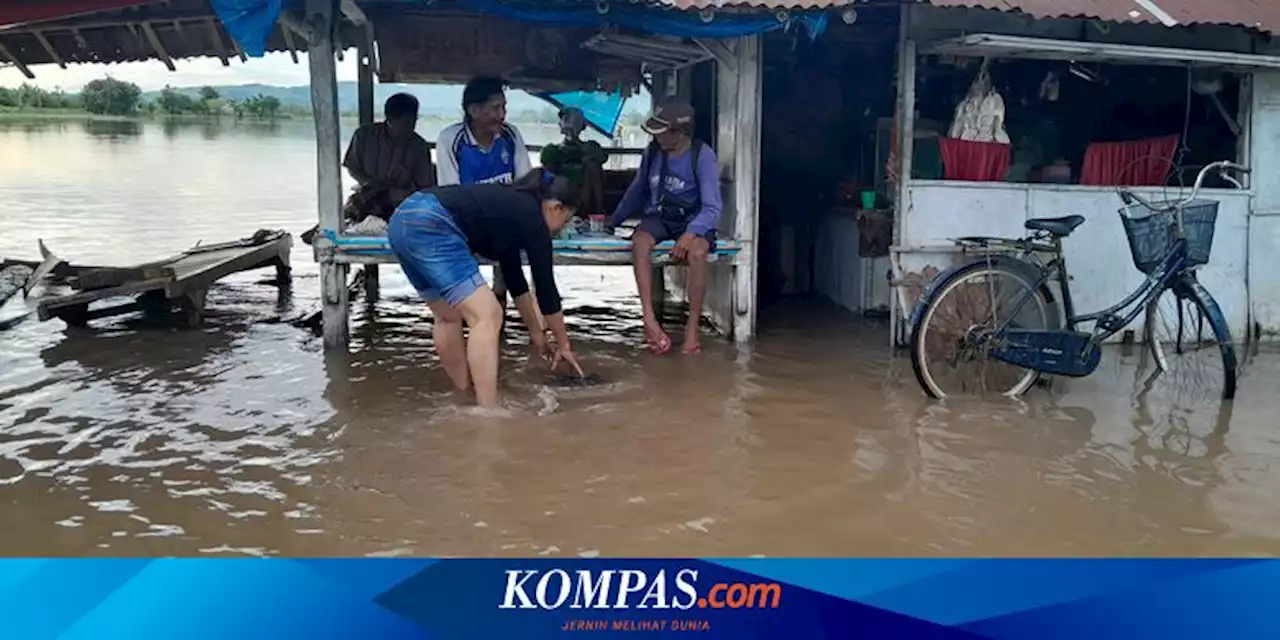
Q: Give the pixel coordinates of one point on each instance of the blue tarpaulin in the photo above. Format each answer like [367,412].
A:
[600,109]
[249,22]
[667,22]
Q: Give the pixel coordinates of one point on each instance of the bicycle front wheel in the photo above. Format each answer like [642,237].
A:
[947,358]
[1190,343]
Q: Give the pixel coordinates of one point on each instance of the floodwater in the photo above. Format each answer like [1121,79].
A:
[243,438]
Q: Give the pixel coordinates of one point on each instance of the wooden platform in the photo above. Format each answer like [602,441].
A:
[582,250]
[180,282]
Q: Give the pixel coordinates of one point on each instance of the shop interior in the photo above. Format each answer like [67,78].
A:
[828,130]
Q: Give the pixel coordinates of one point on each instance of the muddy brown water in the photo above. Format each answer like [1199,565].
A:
[244,438]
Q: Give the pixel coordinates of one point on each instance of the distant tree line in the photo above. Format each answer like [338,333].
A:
[29,96]
[108,96]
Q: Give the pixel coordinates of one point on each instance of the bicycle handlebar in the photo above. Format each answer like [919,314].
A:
[1222,166]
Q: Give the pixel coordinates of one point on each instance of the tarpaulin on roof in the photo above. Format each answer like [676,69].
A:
[651,20]
[248,22]
[601,109]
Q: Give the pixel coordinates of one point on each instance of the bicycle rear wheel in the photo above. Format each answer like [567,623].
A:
[976,298]
[1190,343]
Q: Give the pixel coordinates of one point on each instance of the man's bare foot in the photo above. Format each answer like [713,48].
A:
[692,341]
[658,340]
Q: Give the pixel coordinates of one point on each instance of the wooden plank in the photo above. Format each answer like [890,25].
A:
[218,44]
[117,310]
[46,306]
[103,277]
[4,52]
[158,46]
[288,42]
[48,263]
[560,258]
[53,54]
[201,270]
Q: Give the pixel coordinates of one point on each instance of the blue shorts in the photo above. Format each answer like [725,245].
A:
[432,250]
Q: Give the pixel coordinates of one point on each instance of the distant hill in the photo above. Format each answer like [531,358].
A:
[435,100]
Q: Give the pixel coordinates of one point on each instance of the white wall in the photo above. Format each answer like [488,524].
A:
[1264,239]
[1097,254]
[840,273]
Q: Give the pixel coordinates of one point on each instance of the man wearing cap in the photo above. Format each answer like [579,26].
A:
[677,189]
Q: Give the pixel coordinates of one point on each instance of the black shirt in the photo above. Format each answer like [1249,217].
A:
[500,222]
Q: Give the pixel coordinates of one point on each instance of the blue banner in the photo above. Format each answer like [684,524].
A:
[404,598]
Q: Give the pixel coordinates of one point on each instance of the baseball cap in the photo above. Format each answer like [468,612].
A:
[673,114]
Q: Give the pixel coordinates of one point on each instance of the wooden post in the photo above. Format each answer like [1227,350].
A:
[658,291]
[322,16]
[906,115]
[364,58]
[746,185]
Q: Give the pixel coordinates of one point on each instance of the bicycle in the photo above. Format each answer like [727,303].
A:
[1168,240]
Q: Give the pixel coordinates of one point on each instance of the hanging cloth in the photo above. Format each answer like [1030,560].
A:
[980,116]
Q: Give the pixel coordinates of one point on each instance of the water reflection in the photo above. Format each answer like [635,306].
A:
[113,129]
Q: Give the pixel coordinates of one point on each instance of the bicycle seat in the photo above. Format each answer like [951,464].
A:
[1060,227]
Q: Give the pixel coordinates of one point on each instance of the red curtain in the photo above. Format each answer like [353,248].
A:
[974,161]
[1135,163]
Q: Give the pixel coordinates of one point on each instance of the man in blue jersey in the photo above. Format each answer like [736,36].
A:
[482,148]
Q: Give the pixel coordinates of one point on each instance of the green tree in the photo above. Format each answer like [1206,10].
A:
[111,97]
[208,93]
[174,103]
[8,97]
[32,97]
[261,106]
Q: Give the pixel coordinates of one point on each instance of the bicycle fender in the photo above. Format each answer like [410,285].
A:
[1013,264]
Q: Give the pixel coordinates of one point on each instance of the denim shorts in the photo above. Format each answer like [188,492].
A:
[432,250]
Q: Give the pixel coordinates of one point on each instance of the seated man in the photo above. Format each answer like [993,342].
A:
[483,148]
[390,155]
[678,190]
[389,162]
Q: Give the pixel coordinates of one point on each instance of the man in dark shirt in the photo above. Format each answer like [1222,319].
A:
[391,154]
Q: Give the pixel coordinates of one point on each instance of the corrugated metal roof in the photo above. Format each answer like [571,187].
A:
[1263,15]
[759,4]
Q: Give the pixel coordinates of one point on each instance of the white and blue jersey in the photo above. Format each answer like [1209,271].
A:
[461,160]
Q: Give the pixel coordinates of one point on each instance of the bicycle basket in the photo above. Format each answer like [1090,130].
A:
[1152,233]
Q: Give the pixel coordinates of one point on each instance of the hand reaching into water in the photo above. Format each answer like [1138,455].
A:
[565,354]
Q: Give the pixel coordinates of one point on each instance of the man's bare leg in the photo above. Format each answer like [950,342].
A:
[484,316]
[447,334]
[698,272]
[642,244]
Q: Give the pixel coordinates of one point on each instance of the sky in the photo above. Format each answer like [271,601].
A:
[272,69]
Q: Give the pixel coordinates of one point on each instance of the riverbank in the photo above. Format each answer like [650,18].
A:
[10,113]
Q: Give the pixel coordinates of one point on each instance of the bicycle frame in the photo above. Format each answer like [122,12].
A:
[1107,322]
